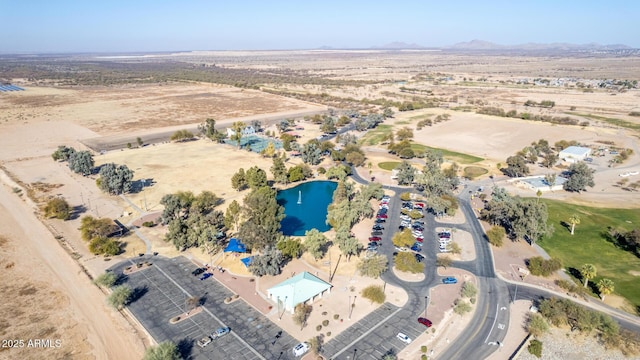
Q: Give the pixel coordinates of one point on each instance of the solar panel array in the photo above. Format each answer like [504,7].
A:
[9,87]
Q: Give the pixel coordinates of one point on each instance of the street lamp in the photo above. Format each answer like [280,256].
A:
[349,308]
[426,301]
[354,353]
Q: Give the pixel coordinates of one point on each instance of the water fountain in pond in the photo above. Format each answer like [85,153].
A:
[299,197]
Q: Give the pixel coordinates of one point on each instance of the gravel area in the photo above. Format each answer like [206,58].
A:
[560,344]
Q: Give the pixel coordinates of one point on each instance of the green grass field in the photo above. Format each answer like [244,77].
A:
[612,121]
[375,136]
[389,165]
[589,246]
[472,172]
[460,158]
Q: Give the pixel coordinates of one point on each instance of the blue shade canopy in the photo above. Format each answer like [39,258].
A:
[247,261]
[235,245]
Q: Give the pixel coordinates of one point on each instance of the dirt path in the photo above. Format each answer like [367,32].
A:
[106,332]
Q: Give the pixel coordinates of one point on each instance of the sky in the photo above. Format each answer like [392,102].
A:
[60,26]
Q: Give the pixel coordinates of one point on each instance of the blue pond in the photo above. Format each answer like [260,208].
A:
[311,212]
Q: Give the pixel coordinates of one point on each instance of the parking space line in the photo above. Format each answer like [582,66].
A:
[211,314]
[366,333]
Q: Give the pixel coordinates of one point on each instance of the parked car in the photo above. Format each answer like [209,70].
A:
[403,249]
[204,341]
[376,233]
[405,223]
[416,248]
[419,239]
[197,271]
[372,248]
[417,228]
[449,280]
[375,238]
[405,217]
[220,332]
[205,276]
[419,257]
[382,216]
[383,206]
[300,349]
[416,233]
[404,338]
[373,243]
[383,211]
[424,321]
[380,220]
[419,222]
[378,227]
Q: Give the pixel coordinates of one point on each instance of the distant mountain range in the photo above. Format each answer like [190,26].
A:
[487,45]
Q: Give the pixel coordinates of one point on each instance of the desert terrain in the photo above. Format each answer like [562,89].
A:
[53,112]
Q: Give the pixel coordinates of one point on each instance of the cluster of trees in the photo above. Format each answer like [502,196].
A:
[282,175]
[57,208]
[429,122]
[373,266]
[261,215]
[544,103]
[372,120]
[115,179]
[348,208]
[563,312]
[253,178]
[96,232]
[579,176]
[627,240]
[437,184]
[80,162]
[521,218]
[208,130]
[564,120]
[193,220]
[269,262]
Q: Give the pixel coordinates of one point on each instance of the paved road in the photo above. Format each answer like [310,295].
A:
[160,135]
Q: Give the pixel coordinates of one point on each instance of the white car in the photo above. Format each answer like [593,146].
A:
[300,349]
[404,338]
[204,341]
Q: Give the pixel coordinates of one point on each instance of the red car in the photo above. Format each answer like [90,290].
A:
[419,239]
[425,322]
[420,205]
[382,216]
[375,238]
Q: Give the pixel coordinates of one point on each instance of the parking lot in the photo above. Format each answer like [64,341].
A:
[164,288]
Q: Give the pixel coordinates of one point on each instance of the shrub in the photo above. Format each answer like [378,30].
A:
[461,307]
[541,267]
[496,235]
[373,266]
[319,327]
[328,333]
[163,351]
[120,296]
[469,290]
[148,224]
[322,170]
[336,317]
[537,325]
[405,196]
[423,349]
[325,322]
[58,208]
[108,279]
[535,348]
[374,293]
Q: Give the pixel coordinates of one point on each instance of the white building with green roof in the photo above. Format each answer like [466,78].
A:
[298,289]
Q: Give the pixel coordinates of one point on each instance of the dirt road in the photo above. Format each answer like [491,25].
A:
[107,333]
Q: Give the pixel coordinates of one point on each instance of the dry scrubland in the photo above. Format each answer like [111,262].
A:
[34,122]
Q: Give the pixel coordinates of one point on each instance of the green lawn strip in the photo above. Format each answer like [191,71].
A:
[447,154]
[612,121]
[588,246]
[374,136]
[472,172]
[389,165]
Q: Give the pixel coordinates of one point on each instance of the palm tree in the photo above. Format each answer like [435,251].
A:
[574,220]
[588,271]
[605,286]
